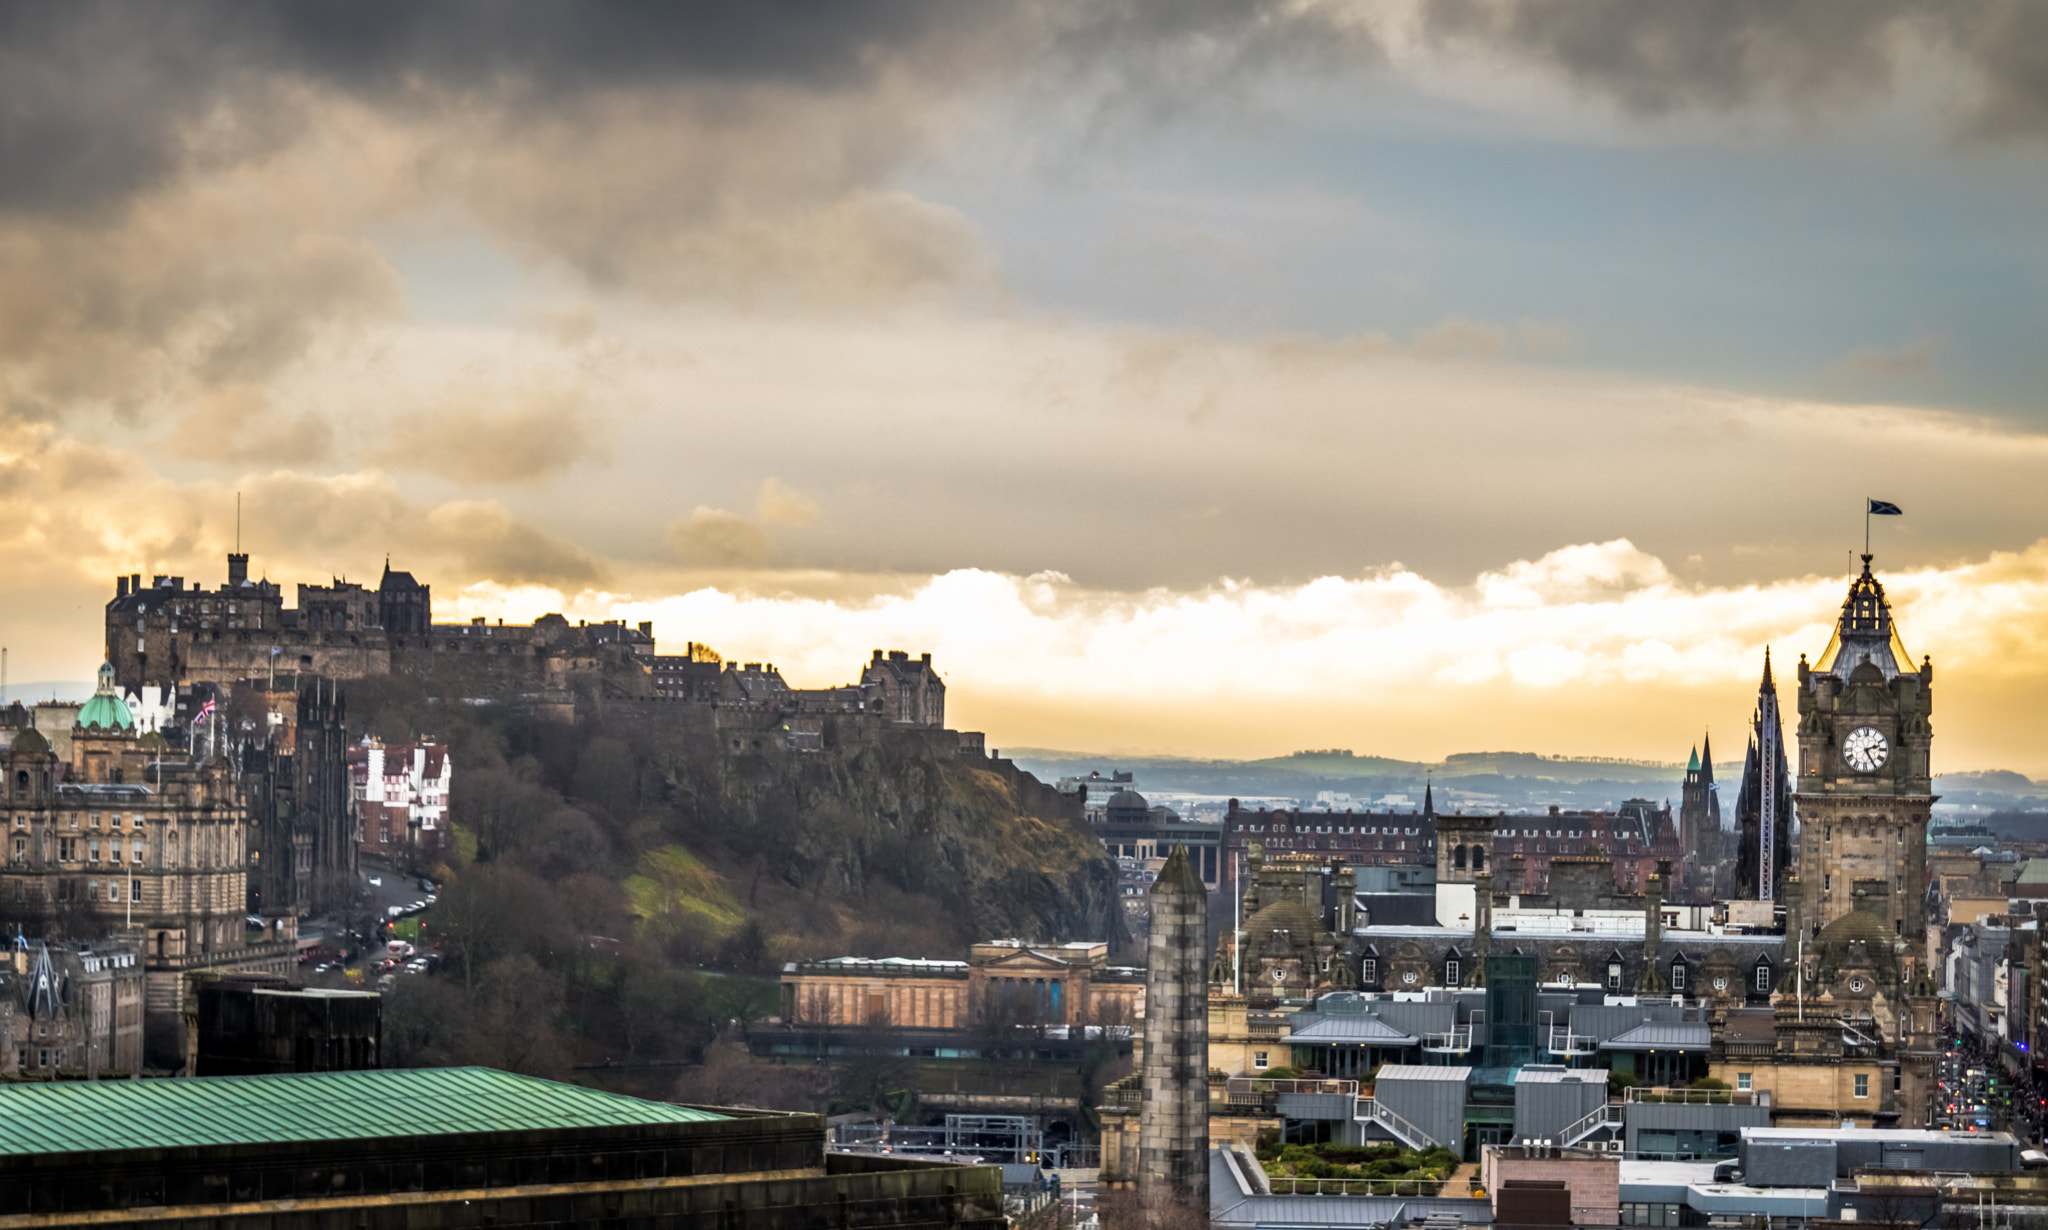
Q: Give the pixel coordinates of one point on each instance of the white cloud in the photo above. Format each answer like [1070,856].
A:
[1598,624]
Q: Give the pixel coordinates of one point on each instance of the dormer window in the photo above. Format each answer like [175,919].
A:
[1678,975]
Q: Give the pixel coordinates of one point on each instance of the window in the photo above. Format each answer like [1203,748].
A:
[1742,1080]
[1369,970]
[113,890]
[1614,976]
[1678,975]
[135,851]
[1763,977]
[1862,1084]
[1450,973]
[1258,1061]
[134,890]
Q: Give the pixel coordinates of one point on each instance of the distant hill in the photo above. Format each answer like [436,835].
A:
[42,690]
[1474,780]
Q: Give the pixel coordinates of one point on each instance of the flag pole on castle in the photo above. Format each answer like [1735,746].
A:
[1877,508]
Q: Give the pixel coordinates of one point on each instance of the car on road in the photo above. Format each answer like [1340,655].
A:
[376,881]
[395,911]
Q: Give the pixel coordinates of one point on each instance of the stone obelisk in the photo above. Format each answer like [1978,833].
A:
[1173,1126]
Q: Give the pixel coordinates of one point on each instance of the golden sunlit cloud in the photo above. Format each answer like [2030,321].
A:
[1591,645]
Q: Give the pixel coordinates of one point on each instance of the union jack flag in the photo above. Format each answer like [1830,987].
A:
[205,712]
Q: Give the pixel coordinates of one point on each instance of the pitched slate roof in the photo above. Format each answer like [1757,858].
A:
[1366,1029]
[1663,1036]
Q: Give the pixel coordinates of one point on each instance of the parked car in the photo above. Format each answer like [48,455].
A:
[376,881]
[395,911]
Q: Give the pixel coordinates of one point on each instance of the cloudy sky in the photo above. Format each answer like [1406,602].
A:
[1217,377]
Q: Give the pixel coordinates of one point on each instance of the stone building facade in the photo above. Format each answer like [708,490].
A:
[1001,982]
[1702,873]
[290,739]
[1865,779]
[71,1009]
[399,795]
[168,636]
[124,834]
[1173,1121]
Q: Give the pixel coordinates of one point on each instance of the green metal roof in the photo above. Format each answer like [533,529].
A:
[74,1116]
[105,712]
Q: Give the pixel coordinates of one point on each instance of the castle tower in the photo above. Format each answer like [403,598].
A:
[1865,784]
[1764,807]
[1699,826]
[1173,1125]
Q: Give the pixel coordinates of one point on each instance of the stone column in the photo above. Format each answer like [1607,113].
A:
[1173,1126]
[1482,926]
[1652,981]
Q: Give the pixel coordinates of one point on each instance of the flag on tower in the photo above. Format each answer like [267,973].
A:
[1885,508]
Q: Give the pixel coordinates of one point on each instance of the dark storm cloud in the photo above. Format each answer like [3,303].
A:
[102,99]
[1674,55]
[99,100]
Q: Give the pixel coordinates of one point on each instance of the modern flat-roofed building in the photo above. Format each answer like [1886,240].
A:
[426,1148]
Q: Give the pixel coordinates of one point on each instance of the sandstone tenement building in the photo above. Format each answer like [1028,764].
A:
[124,833]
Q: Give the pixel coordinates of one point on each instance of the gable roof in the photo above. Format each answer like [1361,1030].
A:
[1663,1036]
[1365,1029]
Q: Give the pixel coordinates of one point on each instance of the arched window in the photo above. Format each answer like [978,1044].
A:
[1458,859]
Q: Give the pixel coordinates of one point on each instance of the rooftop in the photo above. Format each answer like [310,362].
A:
[1422,1072]
[229,1110]
[1664,1036]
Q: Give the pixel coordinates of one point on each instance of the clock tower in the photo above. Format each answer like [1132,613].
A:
[1865,786]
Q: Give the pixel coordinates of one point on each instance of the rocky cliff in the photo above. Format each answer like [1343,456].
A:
[891,832]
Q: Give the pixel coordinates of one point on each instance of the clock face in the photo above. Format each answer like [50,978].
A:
[1720,984]
[1865,749]
[1408,976]
[1856,986]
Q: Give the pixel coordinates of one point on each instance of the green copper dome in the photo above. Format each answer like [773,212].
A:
[105,711]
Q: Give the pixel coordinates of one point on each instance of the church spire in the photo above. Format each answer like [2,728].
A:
[1429,797]
[1768,685]
[1707,756]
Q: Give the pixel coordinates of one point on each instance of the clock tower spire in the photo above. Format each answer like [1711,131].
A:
[1865,785]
